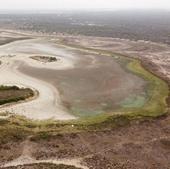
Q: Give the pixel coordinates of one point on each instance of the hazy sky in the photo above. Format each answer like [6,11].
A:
[83,4]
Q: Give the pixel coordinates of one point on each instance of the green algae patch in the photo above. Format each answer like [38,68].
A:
[157,91]
[133,101]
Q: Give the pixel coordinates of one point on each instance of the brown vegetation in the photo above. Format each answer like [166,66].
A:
[45,59]
[10,94]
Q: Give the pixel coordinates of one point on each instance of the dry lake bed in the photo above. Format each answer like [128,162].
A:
[83,102]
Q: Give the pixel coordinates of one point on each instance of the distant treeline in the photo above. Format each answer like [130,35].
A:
[134,25]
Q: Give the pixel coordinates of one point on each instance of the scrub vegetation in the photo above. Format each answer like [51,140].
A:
[10,94]
[45,59]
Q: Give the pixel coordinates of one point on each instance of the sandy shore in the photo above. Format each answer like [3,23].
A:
[48,104]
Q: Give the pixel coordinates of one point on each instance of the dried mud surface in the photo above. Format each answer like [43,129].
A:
[139,145]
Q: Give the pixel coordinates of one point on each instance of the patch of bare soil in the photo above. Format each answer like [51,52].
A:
[10,151]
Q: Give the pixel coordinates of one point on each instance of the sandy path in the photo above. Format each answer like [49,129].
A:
[87,81]
[26,158]
[48,104]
